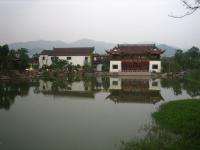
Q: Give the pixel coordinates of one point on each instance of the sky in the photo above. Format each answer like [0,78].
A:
[115,21]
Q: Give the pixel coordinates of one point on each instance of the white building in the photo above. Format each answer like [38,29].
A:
[76,56]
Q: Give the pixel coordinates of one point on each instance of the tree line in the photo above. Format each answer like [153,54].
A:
[182,61]
[13,59]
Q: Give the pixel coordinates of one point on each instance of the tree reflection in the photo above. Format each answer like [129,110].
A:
[120,90]
[9,91]
[175,84]
[179,84]
[192,88]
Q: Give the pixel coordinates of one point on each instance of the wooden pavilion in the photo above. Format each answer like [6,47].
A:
[135,58]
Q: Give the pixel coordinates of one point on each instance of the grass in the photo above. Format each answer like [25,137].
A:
[193,76]
[182,118]
[177,127]
[193,80]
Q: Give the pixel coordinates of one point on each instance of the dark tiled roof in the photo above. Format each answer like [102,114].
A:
[74,51]
[79,51]
[136,46]
[46,52]
[135,52]
[135,49]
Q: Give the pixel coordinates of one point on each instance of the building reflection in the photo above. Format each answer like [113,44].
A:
[75,88]
[126,90]
[120,90]
[116,89]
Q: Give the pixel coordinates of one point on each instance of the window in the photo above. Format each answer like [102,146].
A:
[154,66]
[43,58]
[54,58]
[69,58]
[154,83]
[86,58]
[115,83]
[115,66]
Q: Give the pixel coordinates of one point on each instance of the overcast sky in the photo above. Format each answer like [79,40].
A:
[116,21]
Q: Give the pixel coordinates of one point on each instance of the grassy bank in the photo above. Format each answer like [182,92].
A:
[193,76]
[193,80]
[177,127]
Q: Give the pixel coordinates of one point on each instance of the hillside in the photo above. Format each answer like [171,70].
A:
[169,50]
[100,46]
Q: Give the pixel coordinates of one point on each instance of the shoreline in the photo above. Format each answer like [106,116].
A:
[53,74]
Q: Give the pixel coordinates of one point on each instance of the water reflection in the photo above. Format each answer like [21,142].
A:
[118,89]
[135,90]
[9,91]
[68,87]
[57,114]
[178,85]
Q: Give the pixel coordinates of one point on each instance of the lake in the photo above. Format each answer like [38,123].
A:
[82,113]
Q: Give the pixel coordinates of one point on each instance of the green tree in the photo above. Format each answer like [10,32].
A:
[58,64]
[192,57]
[4,51]
[178,56]
[36,56]
[12,60]
[22,54]
[106,64]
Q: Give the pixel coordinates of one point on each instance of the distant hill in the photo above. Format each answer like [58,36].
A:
[169,50]
[100,46]
[38,46]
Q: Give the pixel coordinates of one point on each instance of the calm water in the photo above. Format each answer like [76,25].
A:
[82,114]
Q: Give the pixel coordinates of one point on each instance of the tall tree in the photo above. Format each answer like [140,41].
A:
[12,60]
[23,58]
[4,51]
[36,56]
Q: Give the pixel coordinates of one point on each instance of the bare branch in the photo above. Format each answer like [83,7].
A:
[187,5]
[190,7]
[186,14]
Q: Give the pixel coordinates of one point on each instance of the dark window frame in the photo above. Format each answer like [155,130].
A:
[154,83]
[69,58]
[115,66]
[155,66]
[115,83]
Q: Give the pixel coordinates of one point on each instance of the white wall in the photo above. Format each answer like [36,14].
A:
[45,85]
[75,60]
[154,84]
[99,67]
[47,60]
[115,63]
[78,86]
[151,63]
[75,86]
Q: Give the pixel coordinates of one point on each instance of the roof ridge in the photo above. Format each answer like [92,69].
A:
[73,47]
